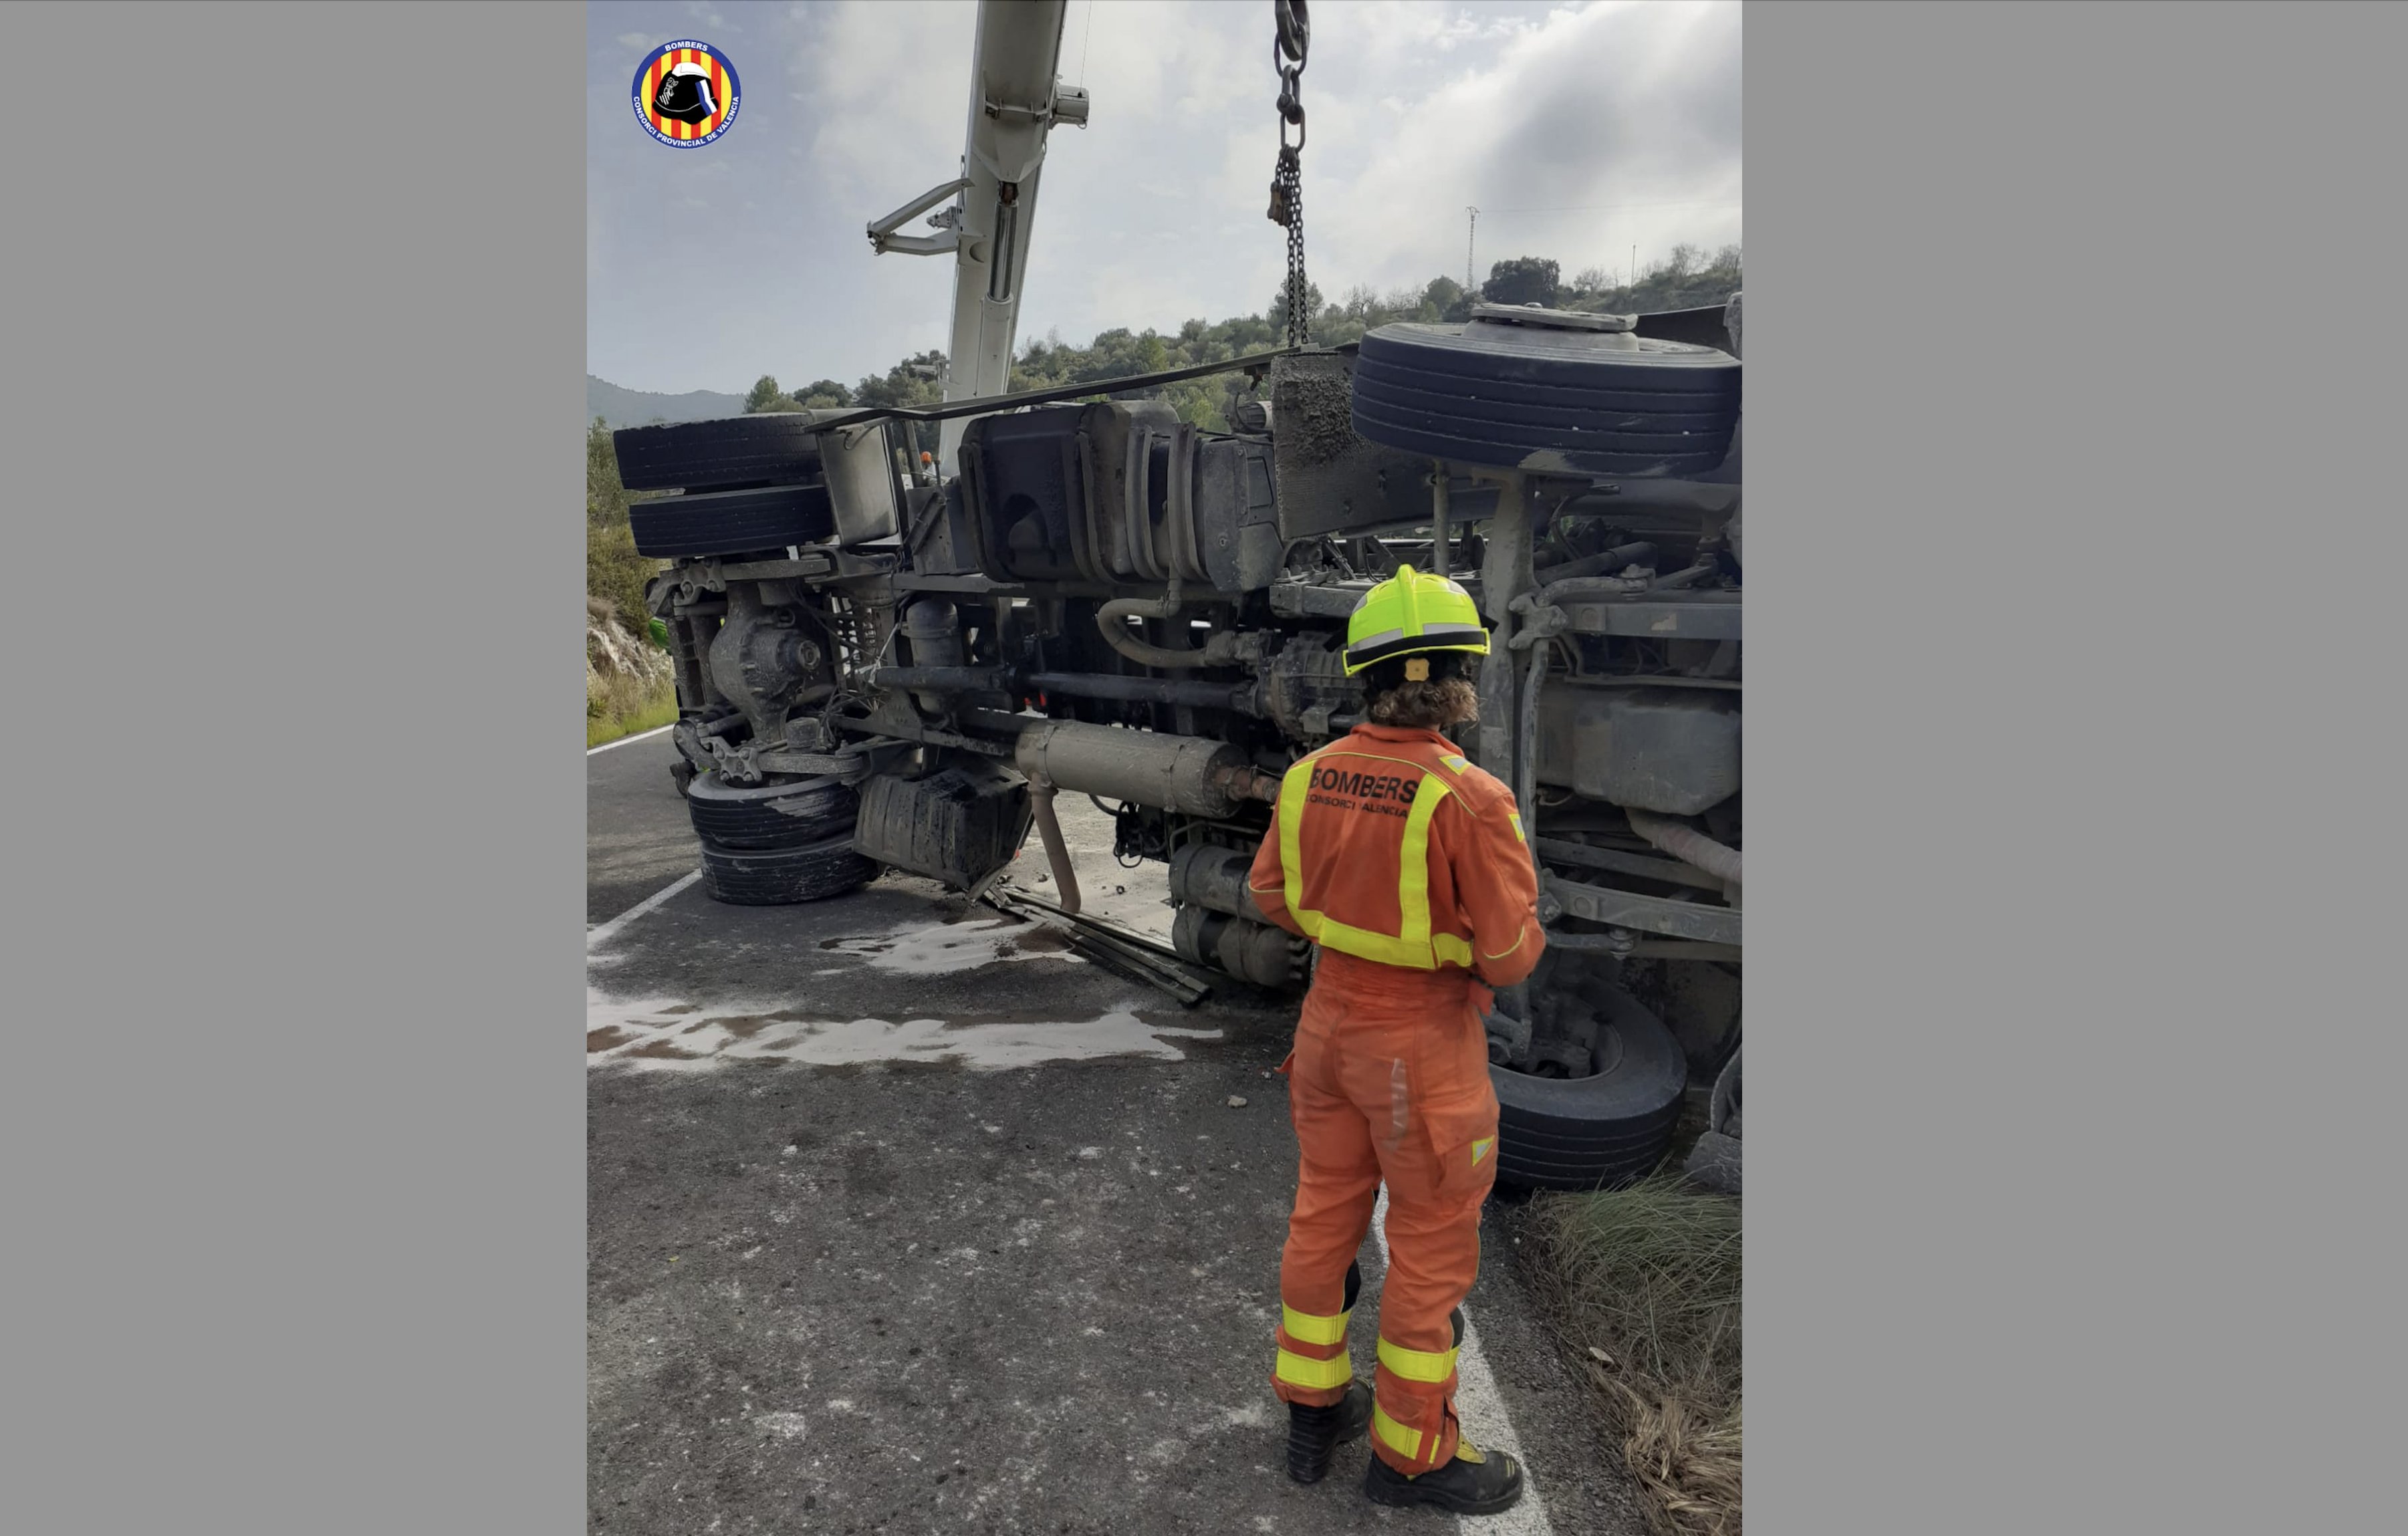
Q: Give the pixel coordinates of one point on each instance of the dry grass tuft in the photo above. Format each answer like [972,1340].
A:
[1648,1297]
[1689,1465]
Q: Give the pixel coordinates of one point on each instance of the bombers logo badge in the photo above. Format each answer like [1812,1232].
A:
[686,93]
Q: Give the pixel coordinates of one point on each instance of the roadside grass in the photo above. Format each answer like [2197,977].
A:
[1647,1283]
[624,706]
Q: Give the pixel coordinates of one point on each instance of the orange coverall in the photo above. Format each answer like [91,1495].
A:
[1407,866]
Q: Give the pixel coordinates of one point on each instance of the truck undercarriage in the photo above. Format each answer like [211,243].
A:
[881,666]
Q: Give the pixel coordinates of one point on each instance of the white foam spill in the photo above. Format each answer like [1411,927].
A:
[784,1426]
[659,1034]
[936,949]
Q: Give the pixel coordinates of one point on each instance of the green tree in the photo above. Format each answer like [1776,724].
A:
[614,572]
[1524,280]
[764,390]
[824,394]
[606,497]
[917,380]
[1277,315]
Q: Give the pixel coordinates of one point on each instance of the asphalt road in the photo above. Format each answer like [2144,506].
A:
[902,1220]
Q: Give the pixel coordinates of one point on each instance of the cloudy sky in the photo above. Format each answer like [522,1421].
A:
[1578,130]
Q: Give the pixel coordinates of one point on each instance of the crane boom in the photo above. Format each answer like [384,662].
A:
[1015,100]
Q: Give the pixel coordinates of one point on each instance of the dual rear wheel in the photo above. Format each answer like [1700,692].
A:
[777,845]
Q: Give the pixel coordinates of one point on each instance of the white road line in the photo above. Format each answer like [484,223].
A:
[1483,1412]
[644,736]
[611,930]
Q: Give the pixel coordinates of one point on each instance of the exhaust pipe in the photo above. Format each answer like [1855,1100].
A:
[1186,773]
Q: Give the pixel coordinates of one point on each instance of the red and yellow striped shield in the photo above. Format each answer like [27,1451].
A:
[686,94]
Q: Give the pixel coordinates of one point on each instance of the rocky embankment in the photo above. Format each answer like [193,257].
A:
[621,669]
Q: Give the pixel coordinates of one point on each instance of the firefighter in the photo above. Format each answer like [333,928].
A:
[1409,869]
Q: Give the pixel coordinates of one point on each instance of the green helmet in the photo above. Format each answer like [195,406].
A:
[1411,613]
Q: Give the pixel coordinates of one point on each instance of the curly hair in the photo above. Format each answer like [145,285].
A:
[1432,704]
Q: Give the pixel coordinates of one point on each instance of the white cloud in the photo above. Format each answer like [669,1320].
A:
[1626,108]
[886,83]
[1154,213]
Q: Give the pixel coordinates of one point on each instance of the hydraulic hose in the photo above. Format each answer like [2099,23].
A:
[1577,589]
[1605,564]
[1680,579]
[1220,650]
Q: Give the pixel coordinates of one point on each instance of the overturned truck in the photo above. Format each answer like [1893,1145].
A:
[881,669]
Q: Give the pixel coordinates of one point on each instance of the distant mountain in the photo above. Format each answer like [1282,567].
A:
[635,407]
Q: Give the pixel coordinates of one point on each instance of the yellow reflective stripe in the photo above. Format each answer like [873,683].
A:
[1405,1443]
[1314,1375]
[1515,817]
[1388,949]
[1306,1328]
[1454,763]
[1413,947]
[1417,1365]
[1294,784]
[1412,882]
[1480,1149]
[1519,934]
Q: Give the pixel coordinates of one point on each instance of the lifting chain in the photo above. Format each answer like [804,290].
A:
[1295,32]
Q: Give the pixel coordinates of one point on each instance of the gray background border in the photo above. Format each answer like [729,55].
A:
[2069,324]
[2070,355]
[294,1107]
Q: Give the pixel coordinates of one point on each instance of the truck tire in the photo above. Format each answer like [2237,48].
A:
[1597,1131]
[1715,1163]
[1723,1108]
[768,517]
[778,877]
[786,815]
[718,455]
[1571,401]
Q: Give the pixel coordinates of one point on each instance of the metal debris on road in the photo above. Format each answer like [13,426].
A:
[1137,955]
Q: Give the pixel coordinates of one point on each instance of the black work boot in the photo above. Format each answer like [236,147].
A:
[1314,1433]
[1474,1482]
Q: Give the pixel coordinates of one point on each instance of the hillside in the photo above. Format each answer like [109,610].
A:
[635,407]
